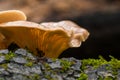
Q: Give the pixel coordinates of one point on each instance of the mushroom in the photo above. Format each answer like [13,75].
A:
[50,38]
[11,15]
[7,16]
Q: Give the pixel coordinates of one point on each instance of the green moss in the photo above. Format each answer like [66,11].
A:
[1,54]
[115,63]
[9,56]
[100,78]
[53,59]
[93,62]
[65,64]
[108,78]
[83,76]
[2,78]
[46,65]
[48,77]
[5,65]
[105,78]
[29,64]
[34,77]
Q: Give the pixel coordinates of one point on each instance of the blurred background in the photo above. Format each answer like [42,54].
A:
[100,17]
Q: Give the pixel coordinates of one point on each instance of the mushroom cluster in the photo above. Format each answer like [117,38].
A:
[48,39]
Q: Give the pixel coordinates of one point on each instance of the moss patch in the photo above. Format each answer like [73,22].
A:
[10,55]
[29,64]
[65,64]
[93,62]
[114,66]
[83,76]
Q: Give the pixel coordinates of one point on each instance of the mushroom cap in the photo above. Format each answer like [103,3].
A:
[49,38]
[11,15]
[76,33]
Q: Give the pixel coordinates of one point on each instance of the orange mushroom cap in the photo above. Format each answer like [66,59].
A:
[11,15]
[7,16]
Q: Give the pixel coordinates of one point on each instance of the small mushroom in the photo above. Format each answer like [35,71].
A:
[50,38]
[7,16]
[11,15]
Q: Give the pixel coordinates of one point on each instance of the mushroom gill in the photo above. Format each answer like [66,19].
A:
[50,38]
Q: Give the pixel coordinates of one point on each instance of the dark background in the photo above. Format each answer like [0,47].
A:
[100,17]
